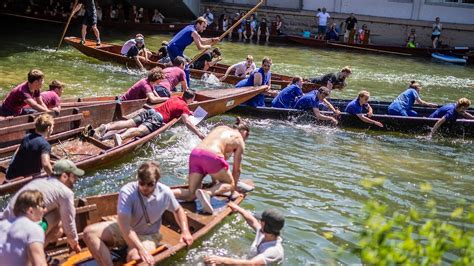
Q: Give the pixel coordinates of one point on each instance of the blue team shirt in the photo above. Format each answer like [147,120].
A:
[287,97]
[448,111]
[355,108]
[405,100]
[258,100]
[308,101]
[180,41]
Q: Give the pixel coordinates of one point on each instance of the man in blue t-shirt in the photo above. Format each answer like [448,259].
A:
[450,112]
[288,96]
[33,154]
[357,106]
[314,100]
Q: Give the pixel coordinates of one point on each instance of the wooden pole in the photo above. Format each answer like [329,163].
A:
[67,25]
[367,49]
[229,30]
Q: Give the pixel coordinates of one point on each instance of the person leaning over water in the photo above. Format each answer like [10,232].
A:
[22,240]
[241,69]
[403,104]
[33,154]
[267,247]
[52,97]
[315,100]
[209,157]
[356,106]
[288,96]
[451,112]
[59,202]
[338,80]
[27,93]
[144,88]
[140,208]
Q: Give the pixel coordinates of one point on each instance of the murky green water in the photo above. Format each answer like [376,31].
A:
[311,173]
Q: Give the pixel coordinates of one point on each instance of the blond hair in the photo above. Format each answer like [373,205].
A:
[249,57]
[43,122]
[27,199]
[200,20]
[463,102]
[363,93]
[347,69]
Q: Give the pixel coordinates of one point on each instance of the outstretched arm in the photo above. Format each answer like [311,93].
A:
[182,220]
[421,102]
[236,169]
[369,121]
[217,260]
[331,107]
[155,98]
[249,218]
[227,72]
[437,125]
[40,107]
[467,115]
[320,116]
[191,126]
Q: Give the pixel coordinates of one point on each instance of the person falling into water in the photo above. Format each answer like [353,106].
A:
[356,107]
[451,112]
[209,158]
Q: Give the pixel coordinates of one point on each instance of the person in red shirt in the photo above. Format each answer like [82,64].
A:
[152,119]
[27,93]
[173,76]
[52,97]
[143,89]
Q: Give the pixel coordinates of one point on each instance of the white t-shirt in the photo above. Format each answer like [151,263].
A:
[323,18]
[241,68]
[15,238]
[270,252]
[129,44]
[209,17]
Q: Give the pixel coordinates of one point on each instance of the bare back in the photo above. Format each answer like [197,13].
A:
[223,141]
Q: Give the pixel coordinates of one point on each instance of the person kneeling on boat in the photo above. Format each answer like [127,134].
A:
[52,97]
[33,154]
[315,100]
[288,96]
[208,59]
[209,157]
[141,205]
[267,247]
[403,104]
[172,77]
[144,88]
[451,112]
[338,80]
[151,120]
[22,240]
[58,200]
[259,77]
[241,69]
[135,48]
[27,93]
[356,106]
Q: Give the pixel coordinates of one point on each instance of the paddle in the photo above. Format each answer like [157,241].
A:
[67,25]
[228,30]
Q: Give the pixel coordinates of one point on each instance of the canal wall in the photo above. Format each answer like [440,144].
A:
[383,30]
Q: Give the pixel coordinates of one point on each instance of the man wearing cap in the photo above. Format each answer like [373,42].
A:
[134,48]
[59,201]
[266,248]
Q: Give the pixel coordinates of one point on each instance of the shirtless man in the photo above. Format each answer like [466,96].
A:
[210,157]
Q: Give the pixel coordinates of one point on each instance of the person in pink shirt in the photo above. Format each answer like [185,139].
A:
[143,89]
[27,93]
[173,76]
[52,97]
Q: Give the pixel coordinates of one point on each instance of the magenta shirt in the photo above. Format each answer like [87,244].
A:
[15,100]
[173,76]
[51,99]
[137,91]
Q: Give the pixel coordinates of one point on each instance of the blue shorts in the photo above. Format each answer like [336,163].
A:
[402,112]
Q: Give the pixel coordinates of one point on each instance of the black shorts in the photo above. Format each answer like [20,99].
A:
[162,91]
[433,37]
[89,20]
[5,112]
[150,118]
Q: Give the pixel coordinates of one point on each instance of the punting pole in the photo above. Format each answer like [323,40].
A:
[367,49]
[229,30]
[67,25]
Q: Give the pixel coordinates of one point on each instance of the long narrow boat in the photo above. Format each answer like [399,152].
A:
[416,125]
[111,52]
[382,49]
[96,209]
[88,152]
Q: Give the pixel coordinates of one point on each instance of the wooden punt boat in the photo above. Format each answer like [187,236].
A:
[415,125]
[381,49]
[111,52]
[88,152]
[101,208]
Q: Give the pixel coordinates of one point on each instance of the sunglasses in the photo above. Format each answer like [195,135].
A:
[143,184]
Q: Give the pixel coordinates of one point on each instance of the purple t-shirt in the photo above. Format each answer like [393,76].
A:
[173,76]
[51,99]
[15,100]
[448,111]
[138,91]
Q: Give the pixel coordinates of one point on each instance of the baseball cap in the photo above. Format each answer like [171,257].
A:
[139,39]
[274,220]
[66,166]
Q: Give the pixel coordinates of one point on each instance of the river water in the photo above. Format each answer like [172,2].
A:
[311,173]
